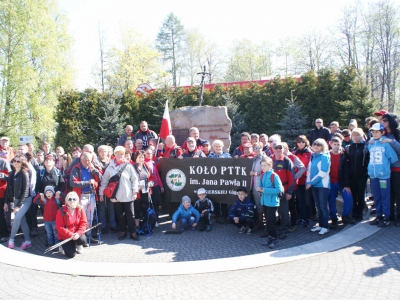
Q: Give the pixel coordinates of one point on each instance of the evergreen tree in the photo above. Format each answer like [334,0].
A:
[292,124]
[111,122]
[237,117]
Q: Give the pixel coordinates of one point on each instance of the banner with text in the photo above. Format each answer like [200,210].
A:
[220,177]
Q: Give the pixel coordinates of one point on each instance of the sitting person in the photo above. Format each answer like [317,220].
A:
[192,151]
[71,222]
[242,212]
[205,208]
[51,203]
[270,187]
[187,214]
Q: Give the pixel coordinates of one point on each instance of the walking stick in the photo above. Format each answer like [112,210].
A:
[67,240]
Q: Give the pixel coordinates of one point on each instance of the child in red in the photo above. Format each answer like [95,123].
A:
[51,206]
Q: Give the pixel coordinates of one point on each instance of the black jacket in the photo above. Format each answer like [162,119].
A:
[358,157]
[344,175]
[53,178]
[322,133]
[18,188]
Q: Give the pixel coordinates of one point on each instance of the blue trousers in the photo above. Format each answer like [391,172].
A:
[321,196]
[51,232]
[381,192]
[187,222]
[347,201]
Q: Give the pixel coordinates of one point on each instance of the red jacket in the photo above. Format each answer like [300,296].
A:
[305,157]
[50,207]
[283,166]
[65,228]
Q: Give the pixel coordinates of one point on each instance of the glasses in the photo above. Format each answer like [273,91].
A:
[17,161]
[278,147]
[257,148]
[318,145]
[300,141]
[72,199]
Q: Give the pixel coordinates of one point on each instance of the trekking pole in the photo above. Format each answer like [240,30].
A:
[67,240]
[98,228]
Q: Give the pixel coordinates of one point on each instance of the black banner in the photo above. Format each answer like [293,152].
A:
[220,177]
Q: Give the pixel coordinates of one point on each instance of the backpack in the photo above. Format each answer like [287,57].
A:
[147,223]
[273,182]
[58,173]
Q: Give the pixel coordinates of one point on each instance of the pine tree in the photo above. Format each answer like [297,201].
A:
[237,117]
[111,122]
[292,124]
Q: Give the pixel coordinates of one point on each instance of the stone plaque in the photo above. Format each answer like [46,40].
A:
[212,122]
[180,135]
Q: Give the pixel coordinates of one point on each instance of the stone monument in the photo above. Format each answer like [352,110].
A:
[212,122]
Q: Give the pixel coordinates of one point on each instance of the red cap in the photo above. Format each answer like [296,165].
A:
[380,113]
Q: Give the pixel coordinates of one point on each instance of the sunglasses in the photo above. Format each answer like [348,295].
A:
[17,161]
[301,141]
[256,148]
[318,145]
[278,147]
[72,199]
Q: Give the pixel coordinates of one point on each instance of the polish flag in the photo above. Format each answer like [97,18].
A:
[166,128]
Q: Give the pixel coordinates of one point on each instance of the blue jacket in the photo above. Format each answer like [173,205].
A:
[270,196]
[380,159]
[242,209]
[396,146]
[318,170]
[183,213]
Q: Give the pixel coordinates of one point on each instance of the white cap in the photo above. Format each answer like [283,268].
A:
[201,191]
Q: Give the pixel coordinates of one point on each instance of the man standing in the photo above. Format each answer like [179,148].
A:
[47,150]
[145,134]
[319,132]
[194,133]
[84,180]
[5,145]
[126,136]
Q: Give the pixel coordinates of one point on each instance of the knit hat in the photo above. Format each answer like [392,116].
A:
[119,149]
[49,188]
[186,199]
[201,191]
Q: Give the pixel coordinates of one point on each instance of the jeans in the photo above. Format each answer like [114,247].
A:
[125,214]
[270,216]
[321,196]
[395,194]
[347,201]
[381,192]
[3,223]
[88,202]
[357,186]
[51,232]
[186,222]
[20,220]
[70,247]
[304,201]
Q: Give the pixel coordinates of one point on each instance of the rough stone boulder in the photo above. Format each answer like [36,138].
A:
[212,122]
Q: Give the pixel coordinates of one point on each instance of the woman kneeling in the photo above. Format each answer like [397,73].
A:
[71,222]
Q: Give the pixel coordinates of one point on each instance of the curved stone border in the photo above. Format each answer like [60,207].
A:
[344,238]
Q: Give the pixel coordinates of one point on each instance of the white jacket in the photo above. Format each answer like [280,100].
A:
[128,182]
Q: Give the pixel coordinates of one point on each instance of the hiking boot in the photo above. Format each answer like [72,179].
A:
[315,229]
[208,229]
[334,224]
[249,231]
[267,242]
[323,231]
[376,221]
[384,223]
[348,220]
[243,229]
[25,245]
[292,228]
[122,236]
[79,249]
[273,244]
[134,236]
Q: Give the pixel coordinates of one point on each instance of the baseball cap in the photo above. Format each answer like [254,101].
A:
[205,143]
[378,126]
[380,113]
[278,144]
[242,188]
[201,191]
[5,138]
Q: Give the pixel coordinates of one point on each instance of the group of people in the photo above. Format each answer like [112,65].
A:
[288,186]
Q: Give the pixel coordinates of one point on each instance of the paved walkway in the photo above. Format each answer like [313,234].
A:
[368,269]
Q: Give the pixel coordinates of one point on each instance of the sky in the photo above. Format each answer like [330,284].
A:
[221,21]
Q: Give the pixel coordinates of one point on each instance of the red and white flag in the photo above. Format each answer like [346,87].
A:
[166,128]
